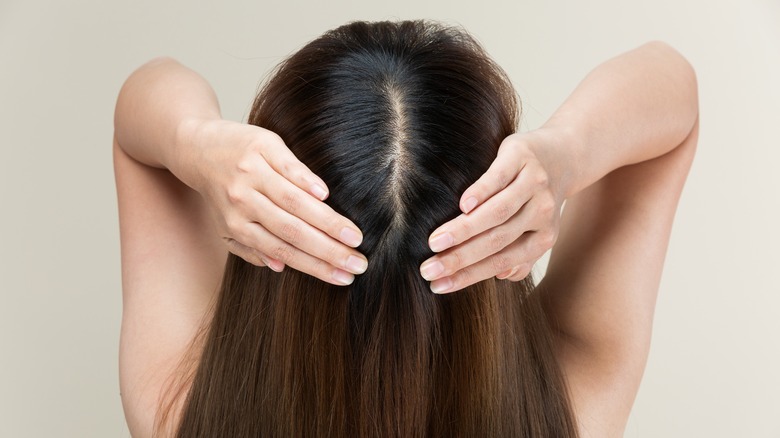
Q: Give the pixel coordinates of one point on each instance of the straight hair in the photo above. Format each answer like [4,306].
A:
[398,118]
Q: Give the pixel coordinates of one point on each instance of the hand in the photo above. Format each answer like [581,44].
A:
[267,204]
[510,219]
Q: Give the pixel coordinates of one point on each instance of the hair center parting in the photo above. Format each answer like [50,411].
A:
[398,156]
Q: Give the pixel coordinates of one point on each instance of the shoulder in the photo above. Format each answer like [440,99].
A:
[172,263]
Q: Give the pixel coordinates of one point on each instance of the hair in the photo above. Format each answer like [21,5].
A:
[398,118]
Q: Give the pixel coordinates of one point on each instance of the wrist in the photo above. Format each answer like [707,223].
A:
[187,153]
[557,148]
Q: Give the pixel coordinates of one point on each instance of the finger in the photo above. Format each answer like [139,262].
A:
[286,164]
[252,256]
[495,211]
[317,214]
[257,236]
[520,272]
[499,175]
[246,253]
[306,238]
[524,251]
[477,248]
[533,217]
[506,274]
[517,273]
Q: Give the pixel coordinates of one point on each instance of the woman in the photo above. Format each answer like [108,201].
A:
[402,122]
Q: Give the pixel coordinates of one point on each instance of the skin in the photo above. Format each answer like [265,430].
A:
[617,151]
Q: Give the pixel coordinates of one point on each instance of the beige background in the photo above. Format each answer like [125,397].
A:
[714,369]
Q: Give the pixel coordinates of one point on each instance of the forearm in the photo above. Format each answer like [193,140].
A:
[632,108]
[153,106]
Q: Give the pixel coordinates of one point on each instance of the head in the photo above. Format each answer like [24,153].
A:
[398,119]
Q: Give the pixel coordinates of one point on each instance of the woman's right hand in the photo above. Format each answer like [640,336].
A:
[267,205]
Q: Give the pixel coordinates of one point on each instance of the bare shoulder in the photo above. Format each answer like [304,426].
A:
[602,281]
[172,262]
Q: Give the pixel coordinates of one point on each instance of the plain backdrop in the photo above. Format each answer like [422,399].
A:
[714,368]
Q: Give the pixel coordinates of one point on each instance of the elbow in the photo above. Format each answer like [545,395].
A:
[144,71]
[135,85]
[157,61]
[690,84]
[684,73]
[687,91]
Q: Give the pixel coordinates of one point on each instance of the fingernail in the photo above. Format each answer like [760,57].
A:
[469,204]
[431,269]
[442,285]
[441,242]
[342,277]
[356,265]
[318,191]
[350,237]
[506,274]
[275,265]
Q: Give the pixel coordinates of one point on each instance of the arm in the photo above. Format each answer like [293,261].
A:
[633,108]
[636,146]
[619,150]
[266,201]
[602,281]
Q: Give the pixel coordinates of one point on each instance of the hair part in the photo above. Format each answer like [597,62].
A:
[398,118]
[397,157]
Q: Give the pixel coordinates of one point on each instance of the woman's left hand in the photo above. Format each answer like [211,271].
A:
[510,218]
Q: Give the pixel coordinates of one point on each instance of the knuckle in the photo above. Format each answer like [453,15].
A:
[503,177]
[454,262]
[246,164]
[272,137]
[333,254]
[252,257]
[498,239]
[466,229]
[240,250]
[291,233]
[501,263]
[332,224]
[321,270]
[267,139]
[288,168]
[462,278]
[296,171]
[232,245]
[234,193]
[502,213]
[258,148]
[290,202]
[510,142]
[542,179]
[283,253]
[233,225]
[546,240]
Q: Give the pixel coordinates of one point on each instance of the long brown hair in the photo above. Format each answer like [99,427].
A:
[398,119]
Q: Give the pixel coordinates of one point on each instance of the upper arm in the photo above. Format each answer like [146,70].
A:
[602,281]
[172,261]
